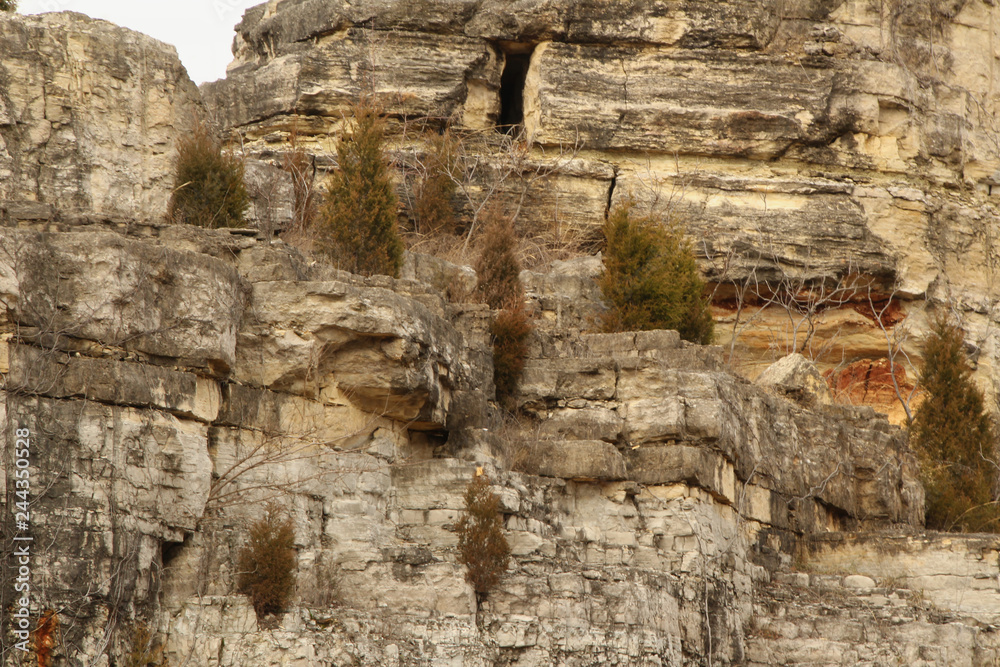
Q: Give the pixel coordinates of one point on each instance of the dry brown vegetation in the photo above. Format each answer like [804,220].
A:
[510,331]
[482,547]
[209,190]
[266,564]
[497,268]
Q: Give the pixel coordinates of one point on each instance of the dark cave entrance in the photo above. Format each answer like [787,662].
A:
[517,59]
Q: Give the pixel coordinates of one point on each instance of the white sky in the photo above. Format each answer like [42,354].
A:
[202,30]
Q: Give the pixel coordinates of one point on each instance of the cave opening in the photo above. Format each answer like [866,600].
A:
[169,551]
[517,59]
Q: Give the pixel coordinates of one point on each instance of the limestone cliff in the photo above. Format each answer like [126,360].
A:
[661,510]
[89,113]
[848,144]
[173,379]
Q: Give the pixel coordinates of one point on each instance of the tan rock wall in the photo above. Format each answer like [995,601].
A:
[797,141]
[175,379]
[159,463]
[89,114]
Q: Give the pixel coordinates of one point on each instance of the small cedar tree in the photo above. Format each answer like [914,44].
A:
[954,438]
[510,332]
[266,564]
[650,278]
[432,205]
[8,5]
[209,190]
[482,546]
[357,224]
[498,270]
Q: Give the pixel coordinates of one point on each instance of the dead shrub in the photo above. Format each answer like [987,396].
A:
[482,546]
[300,167]
[514,438]
[510,332]
[324,591]
[142,649]
[266,564]
[433,208]
[498,270]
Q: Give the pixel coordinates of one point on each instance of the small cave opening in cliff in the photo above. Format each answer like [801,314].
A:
[517,60]
[169,551]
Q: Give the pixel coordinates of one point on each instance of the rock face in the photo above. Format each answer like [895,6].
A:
[656,490]
[678,417]
[89,116]
[891,612]
[840,150]
[653,495]
[186,370]
[175,380]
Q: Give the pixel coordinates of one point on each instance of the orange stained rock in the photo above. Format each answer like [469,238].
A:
[46,637]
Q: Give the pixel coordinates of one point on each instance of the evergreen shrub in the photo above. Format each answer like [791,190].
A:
[432,206]
[954,438]
[209,190]
[482,546]
[357,224]
[650,278]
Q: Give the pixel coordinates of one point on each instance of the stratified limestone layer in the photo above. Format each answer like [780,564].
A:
[849,143]
[652,484]
[175,380]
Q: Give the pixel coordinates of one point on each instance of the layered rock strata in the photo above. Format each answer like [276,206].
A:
[650,495]
[174,380]
[848,144]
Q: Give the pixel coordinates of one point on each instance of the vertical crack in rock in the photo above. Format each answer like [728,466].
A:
[611,193]
[624,83]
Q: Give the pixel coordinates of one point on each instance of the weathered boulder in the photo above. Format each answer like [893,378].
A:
[337,341]
[797,377]
[458,282]
[267,31]
[575,459]
[431,69]
[682,419]
[671,464]
[89,115]
[565,294]
[109,380]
